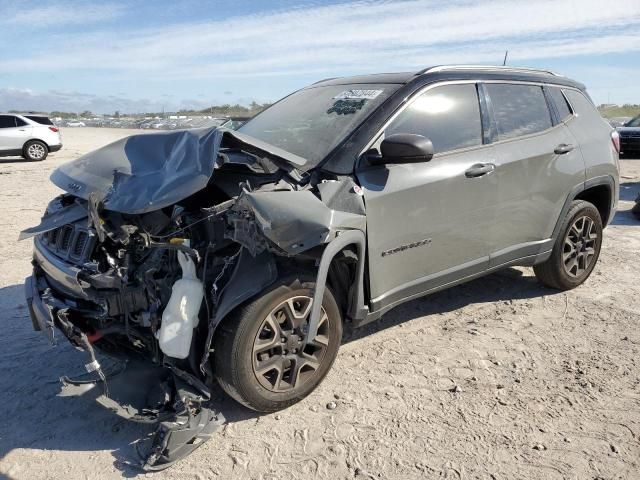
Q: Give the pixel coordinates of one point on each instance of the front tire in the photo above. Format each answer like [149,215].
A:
[260,358]
[576,250]
[35,150]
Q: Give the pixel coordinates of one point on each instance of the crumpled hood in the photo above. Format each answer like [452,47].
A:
[146,172]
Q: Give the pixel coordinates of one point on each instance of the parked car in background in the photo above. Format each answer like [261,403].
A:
[616,122]
[231,123]
[630,138]
[235,122]
[30,136]
[76,123]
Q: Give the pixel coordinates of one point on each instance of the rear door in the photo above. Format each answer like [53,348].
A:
[14,132]
[538,164]
[430,223]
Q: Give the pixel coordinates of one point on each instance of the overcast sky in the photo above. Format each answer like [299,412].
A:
[142,56]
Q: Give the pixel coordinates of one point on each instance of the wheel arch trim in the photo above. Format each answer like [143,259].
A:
[345,239]
[603,180]
[36,139]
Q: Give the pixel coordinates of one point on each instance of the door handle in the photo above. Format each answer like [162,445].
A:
[563,148]
[479,169]
[22,130]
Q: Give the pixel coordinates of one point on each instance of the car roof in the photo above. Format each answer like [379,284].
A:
[457,72]
[25,114]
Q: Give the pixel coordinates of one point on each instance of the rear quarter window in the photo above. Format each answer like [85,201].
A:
[518,109]
[581,105]
[40,120]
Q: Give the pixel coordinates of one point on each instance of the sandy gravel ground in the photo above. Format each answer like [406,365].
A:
[496,379]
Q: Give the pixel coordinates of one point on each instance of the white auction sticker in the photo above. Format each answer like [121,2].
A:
[356,94]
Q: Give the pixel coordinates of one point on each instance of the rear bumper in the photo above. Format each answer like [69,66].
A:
[55,148]
[629,144]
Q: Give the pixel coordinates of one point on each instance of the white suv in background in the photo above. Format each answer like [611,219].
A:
[31,136]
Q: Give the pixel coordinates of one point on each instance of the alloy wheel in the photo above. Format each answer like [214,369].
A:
[282,361]
[36,151]
[579,248]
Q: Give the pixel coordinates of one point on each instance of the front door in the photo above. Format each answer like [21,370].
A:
[14,132]
[430,223]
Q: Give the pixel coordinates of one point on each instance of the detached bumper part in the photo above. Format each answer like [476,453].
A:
[189,426]
[40,313]
[174,440]
[186,423]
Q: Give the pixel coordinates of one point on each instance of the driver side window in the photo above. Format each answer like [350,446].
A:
[448,115]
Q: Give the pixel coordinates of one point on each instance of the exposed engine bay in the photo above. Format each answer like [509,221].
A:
[160,236]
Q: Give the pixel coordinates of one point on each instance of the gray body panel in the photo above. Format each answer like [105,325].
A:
[593,136]
[532,183]
[429,227]
[431,202]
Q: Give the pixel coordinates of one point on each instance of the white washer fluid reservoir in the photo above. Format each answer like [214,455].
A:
[180,316]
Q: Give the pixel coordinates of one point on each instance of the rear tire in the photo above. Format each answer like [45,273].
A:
[35,151]
[576,250]
[636,208]
[259,358]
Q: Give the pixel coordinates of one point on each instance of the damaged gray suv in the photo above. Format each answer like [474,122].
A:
[237,257]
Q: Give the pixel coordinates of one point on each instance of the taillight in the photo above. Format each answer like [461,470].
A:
[54,129]
[615,138]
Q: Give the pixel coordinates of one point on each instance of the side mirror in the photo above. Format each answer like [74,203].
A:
[404,148]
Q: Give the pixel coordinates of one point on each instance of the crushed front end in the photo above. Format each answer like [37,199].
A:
[105,286]
[109,254]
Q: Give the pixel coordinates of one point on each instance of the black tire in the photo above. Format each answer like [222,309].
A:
[35,151]
[569,266]
[636,208]
[236,364]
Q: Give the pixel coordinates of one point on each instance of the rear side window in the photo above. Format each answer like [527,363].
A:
[7,121]
[449,116]
[20,122]
[40,120]
[560,102]
[518,109]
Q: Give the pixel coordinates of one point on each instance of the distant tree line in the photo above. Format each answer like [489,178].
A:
[226,110]
[626,110]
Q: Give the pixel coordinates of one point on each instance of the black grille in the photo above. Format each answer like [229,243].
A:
[80,243]
[53,236]
[74,242]
[65,238]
